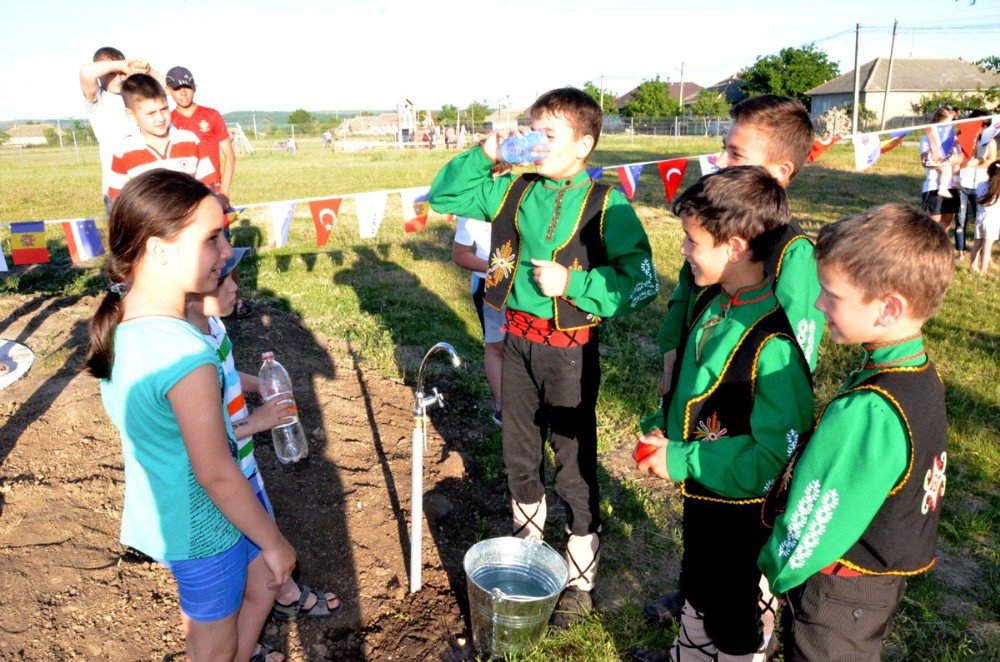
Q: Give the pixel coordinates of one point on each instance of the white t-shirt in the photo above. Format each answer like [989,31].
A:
[111,126]
[470,232]
[931,174]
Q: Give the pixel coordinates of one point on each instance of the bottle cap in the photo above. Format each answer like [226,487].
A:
[267,356]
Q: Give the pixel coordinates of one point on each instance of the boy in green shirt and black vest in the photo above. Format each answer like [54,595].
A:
[855,511]
[740,398]
[774,132]
[566,252]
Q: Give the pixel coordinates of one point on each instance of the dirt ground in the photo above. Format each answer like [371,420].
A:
[70,590]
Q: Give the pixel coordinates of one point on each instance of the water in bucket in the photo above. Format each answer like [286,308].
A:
[514,585]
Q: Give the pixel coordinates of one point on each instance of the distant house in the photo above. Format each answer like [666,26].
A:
[29,134]
[911,80]
[691,91]
[504,118]
[384,124]
[731,88]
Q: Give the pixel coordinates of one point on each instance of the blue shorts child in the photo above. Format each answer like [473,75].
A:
[212,588]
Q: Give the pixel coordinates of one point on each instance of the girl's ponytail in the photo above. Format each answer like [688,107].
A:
[101,356]
[993,185]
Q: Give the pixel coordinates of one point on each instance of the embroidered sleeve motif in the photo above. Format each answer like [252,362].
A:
[792,441]
[501,264]
[934,484]
[805,334]
[804,534]
[647,288]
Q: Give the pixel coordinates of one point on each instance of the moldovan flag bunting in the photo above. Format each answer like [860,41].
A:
[82,239]
[894,141]
[595,173]
[867,148]
[232,214]
[371,209]
[967,135]
[281,222]
[629,175]
[672,172]
[707,163]
[820,146]
[27,243]
[416,207]
[324,218]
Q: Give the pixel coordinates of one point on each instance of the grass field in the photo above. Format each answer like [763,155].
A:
[400,292]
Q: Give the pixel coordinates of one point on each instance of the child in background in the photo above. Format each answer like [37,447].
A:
[205,312]
[158,144]
[186,502]
[940,141]
[741,397]
[856,509]
[987,220]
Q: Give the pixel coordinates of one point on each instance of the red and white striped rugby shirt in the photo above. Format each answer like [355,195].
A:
[184,153]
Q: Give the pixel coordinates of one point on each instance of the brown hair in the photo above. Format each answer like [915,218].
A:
[158,203]
[993,185]
[742,201]
[107,54]
[578,107]
[892,248]
[785,124]
[139,87]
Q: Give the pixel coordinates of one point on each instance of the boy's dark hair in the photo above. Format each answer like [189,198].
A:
[578,107]
[784,122]
[108,53]
[742,201]
[139,87]
[892,248]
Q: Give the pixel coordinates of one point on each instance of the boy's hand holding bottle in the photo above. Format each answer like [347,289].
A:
[279,410]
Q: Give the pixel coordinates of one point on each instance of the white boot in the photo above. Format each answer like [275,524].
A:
[768,612]
[582,556]
[692,643]
[529,519]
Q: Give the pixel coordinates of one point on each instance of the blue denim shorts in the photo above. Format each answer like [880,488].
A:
[211,589]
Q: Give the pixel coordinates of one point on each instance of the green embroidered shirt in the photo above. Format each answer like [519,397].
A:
[740,466]
[856,455]
[628,282]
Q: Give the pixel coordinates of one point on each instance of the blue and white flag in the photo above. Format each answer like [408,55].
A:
[82,239]
[629,176]
[370,208]
[281,222]
[595,173]
[867,149]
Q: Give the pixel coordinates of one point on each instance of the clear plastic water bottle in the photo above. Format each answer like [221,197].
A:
[290,443]
[523,147]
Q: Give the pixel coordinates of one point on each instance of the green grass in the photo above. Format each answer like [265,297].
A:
[398,294]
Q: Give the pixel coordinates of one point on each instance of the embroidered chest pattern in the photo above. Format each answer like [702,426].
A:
[934,483]
[710,429]
[501,264]
[791,442]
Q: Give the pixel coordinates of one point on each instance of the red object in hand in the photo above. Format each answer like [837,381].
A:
[643,450]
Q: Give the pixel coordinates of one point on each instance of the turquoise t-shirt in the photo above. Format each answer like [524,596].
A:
[167,514]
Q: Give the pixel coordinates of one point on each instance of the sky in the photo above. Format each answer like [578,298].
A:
[332,55]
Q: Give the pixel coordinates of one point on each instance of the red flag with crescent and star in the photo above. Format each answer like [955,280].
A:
[820,146]
[672,173]
[324,214]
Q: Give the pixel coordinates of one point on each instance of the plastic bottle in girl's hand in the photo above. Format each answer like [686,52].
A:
[524,147]
[290,443]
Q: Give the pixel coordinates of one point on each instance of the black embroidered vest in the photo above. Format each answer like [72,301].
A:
[900,539]
[584,249]
[725,407]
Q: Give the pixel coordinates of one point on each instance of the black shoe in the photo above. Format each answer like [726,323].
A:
[643,655]
[666,609]
[573,605]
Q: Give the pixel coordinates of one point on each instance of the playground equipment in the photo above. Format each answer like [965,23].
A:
[419,445]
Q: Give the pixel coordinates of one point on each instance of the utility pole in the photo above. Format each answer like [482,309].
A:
[857,80]
[255,136]
[888,76]
[59,132]
[602,94]
[682,88]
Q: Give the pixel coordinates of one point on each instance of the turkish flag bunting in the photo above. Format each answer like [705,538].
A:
[672,173]
[967,135]
[324,214]
[820,146]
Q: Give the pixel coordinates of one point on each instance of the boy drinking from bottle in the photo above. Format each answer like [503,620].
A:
[565,252]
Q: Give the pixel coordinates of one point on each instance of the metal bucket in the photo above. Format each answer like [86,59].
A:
[514,585]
